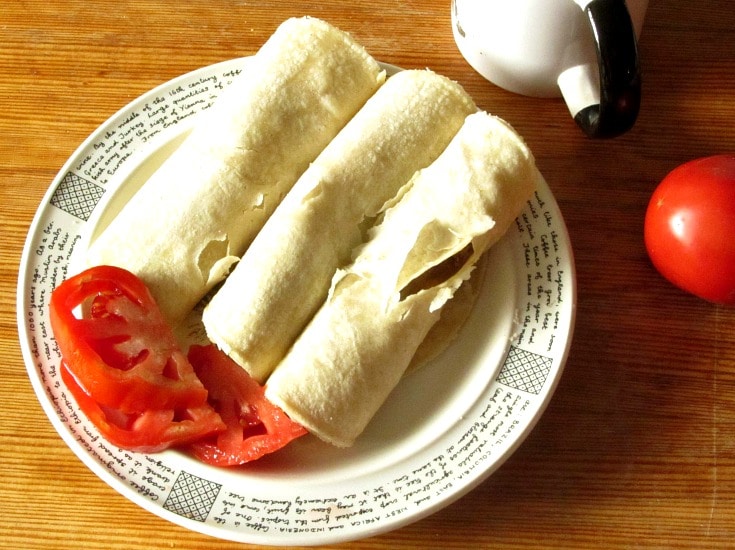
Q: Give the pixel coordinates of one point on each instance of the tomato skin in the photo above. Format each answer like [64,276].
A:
[123,366]
[255,427]
[689,228]
[121,350]
[151,430]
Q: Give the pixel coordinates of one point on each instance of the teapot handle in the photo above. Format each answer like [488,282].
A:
[619,70]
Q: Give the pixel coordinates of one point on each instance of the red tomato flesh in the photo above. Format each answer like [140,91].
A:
[123,366]
[255,427]
[119,348]
[689,228]
[149,431]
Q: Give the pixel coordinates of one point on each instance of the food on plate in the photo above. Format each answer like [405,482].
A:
[198,212]
[254,426]
[151,430]
[106,322]
[362,211]
[689,228]
[379,308]
[122,365]
[285,274]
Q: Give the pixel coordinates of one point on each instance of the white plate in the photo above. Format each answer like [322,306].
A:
[444,430]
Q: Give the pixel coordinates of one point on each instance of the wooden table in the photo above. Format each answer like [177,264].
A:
[637,448]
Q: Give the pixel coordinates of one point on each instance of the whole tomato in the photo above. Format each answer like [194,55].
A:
[689,228]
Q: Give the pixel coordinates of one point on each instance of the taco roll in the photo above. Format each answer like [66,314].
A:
[380,308]
[199,211]
[285,275]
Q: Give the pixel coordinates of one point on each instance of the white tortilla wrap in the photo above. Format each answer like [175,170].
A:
[199,211]
[285,274]
[356,348]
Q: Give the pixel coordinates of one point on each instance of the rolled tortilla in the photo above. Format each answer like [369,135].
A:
[356,348]
[285,274]
[200,210]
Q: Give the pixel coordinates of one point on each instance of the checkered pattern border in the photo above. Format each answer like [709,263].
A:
[525,370]
[77,196]
[192,496]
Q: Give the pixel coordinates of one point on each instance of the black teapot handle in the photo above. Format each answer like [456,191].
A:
[620,79]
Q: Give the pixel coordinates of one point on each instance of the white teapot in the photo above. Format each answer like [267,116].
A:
[584,50]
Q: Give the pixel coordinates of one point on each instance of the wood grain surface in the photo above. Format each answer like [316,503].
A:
[637,448]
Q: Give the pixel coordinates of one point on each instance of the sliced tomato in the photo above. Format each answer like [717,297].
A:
[149,431]
[117,344]
[255,427]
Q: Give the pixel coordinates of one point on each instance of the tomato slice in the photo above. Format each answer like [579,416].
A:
[117,344]
[123,366]
[149,431]
[255,427]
